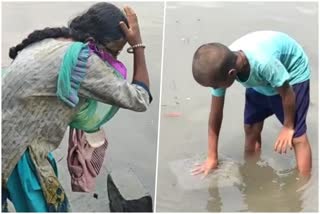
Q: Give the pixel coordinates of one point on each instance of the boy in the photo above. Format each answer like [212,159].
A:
[275,70]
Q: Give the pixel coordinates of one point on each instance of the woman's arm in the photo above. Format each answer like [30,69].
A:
[133,36]
[101,83]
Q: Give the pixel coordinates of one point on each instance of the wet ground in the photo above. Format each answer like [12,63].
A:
[269,183]
[132,136]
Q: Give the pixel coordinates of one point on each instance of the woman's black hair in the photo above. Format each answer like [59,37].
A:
[100,22]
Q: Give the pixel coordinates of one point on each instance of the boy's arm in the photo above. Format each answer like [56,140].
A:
[288,102]
[278,76]
[214,125]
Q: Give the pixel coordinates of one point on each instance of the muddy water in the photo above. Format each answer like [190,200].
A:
[268,183]
[132,136]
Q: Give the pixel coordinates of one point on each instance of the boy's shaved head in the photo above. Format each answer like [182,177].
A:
[211,63]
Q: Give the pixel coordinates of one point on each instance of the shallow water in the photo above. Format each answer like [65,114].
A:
[132,136]
[226,175]
[268,183]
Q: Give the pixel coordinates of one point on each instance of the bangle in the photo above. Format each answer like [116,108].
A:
[131,49]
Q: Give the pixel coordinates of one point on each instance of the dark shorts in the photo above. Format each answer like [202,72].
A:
[258,107]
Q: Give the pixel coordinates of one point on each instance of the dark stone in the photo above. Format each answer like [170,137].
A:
[126,194]
[95,195]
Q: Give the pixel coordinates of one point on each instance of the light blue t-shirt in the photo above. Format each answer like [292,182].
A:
[274,58]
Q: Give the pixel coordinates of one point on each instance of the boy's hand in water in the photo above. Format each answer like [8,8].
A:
[206,167]
[284,140]
[133,32]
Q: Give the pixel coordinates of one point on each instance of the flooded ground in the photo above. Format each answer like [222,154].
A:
[132,136]
[269,183]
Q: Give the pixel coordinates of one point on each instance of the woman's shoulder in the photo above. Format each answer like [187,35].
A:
[48,45]
[43,52]
[42,60]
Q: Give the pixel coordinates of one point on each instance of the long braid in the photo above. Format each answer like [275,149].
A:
[39,35]
[100,22]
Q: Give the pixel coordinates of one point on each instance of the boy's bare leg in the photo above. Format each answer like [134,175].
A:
[253,139]
[303,154]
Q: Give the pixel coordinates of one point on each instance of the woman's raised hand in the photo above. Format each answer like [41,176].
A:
[132,32]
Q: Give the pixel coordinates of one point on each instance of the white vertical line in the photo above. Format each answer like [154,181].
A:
[1,87]
[318,104]
[160,96]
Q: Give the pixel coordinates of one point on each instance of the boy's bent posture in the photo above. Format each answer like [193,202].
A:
[275,70]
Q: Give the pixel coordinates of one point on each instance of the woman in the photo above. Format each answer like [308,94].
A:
[55,80]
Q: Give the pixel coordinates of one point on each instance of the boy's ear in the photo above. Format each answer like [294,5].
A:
[232,72]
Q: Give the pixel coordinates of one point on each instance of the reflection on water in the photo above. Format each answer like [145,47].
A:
[266,183]
[249,186]
[263,189]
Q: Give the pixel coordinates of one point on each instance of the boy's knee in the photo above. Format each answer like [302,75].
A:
[248,129]
[301,140]
[252,130]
